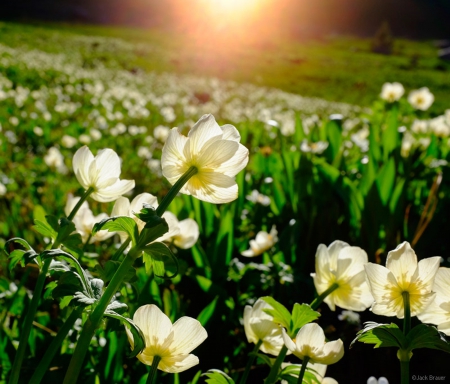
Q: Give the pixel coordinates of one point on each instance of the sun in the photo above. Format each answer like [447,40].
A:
[234,6]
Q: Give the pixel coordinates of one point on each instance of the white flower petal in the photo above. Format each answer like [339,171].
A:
[81,162]
[188,235]
[188,335]
[178,363]
[402,262]
[114,191]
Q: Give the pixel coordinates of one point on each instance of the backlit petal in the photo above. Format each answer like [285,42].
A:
[402,262]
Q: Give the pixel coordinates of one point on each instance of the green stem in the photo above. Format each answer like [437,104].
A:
[94,320]
[154,370]
[28,323]
[175,189]
[318,300]
[303,370]
[121,250]
[25,334]
[407,316]
[272,378]
[55,345]
[250,362]
[404,366]
[80,203]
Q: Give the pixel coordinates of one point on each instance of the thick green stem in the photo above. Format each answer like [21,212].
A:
[250,362]
[28,323]
[154,370]
[407,315]
[55,345]
[303,370]
[404,366]
[318,300]
[175,189]
[92,323]
[272,378]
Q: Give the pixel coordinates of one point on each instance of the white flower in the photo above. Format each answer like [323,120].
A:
[184,233]
[317,369]
[256,197]
[38,131]
[439,311]
[85,139]
[68,141]
[172,343]
[216,154]
[343,265]
[100,173]
[84,220]
[421,98]
[350,317]
[317,147]
[403,274]
[161,133]
[262,243]
[258,325]
[55,159]
[373,380]
[392,92]
[310,342]
[2,189]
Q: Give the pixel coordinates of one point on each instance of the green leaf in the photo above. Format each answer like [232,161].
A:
[215,376]
[66,228]
[382,335]
[151,233]
[163,259]
[385,181]
[334,137]
[390,136]
[302,314]
[69,283]
[207,312]
[396,195]
[279,313]
[45,229]
[138,336]
[18,255]
[427,336]
[291,372]
[118,224]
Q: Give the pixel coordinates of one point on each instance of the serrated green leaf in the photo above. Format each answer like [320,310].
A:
[151,233]
[45,229]
[138,336]
[291,372]
[215,376]
[118,224]
[65,229]
[69,283]
[427,336]
[382,335]
[279,313]
[302,314]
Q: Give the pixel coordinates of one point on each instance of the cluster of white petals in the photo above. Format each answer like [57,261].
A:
[85,220]
[258,325]
[100,173]
[373,380]
[402,274]
[421,98]
[184,234]
[438,312]
[173,343]
[392,92]
[262,243]
[341,264]
[310,342]
[216,154]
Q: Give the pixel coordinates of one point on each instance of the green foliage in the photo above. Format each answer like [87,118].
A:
[215,376]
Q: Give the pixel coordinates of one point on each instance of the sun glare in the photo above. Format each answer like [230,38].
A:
[231,6]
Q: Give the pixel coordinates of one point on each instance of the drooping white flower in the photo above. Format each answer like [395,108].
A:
[343,265]
[84,220]
[402,274]
[216,154]
[258,325]
[171,342]
[421,98]
[438,312]
[101,173]
[262,243]
[392,92]
[310,342]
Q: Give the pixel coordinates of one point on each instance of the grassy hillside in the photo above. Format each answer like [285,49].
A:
[336,69]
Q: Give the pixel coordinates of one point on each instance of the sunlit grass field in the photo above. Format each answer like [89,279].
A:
[329,160]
